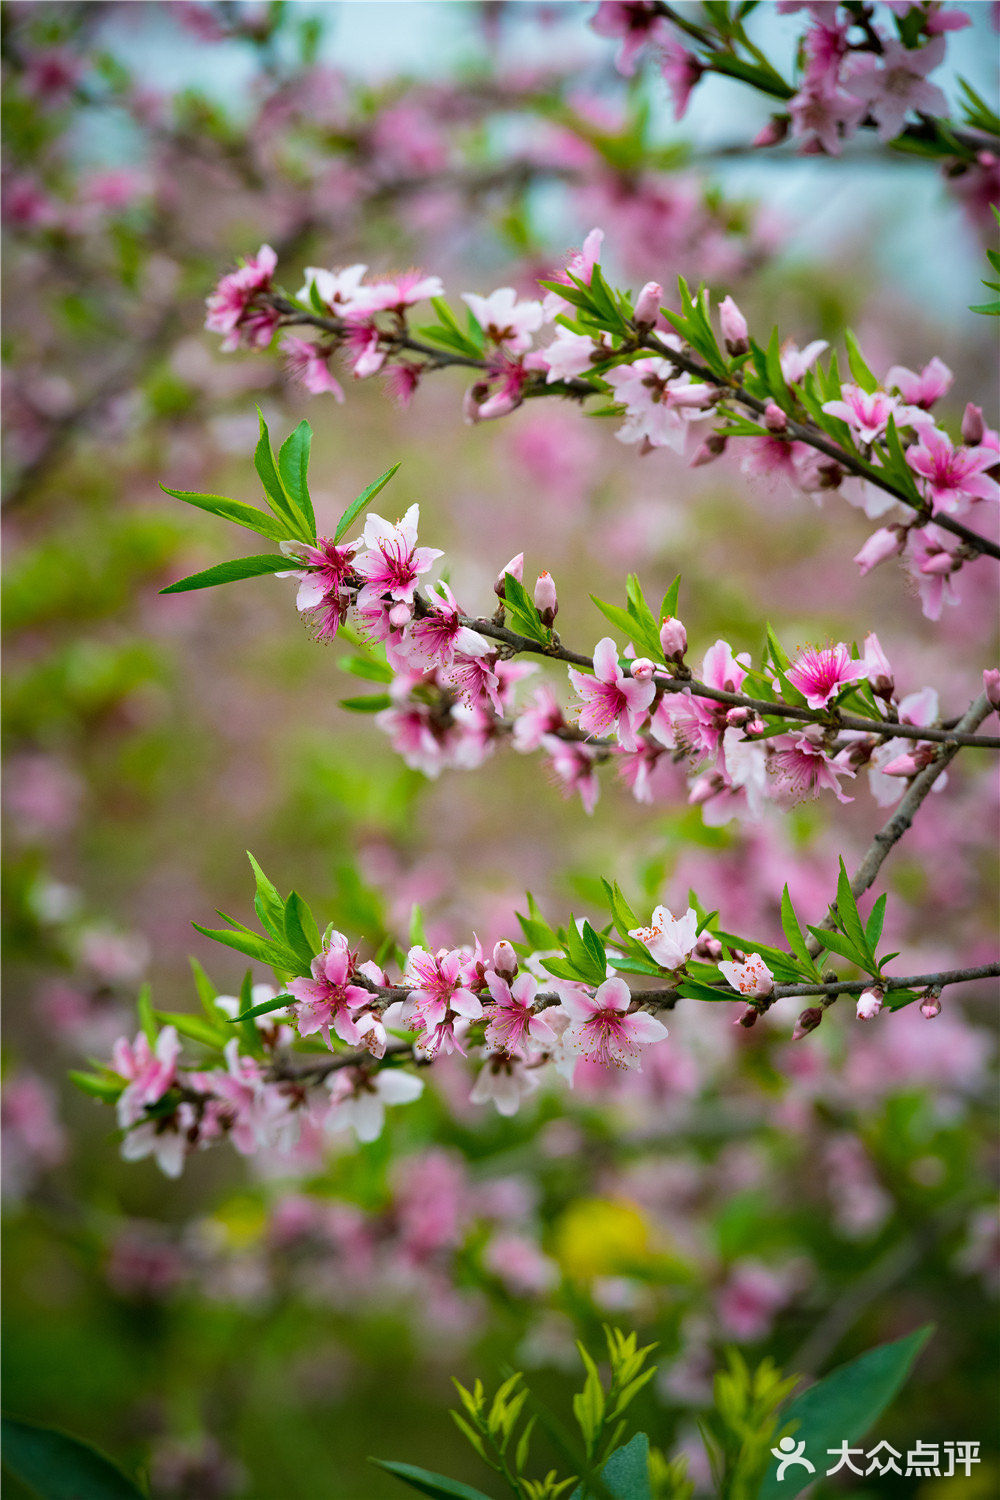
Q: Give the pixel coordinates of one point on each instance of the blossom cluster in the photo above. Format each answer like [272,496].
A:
[875,443]
[852,73]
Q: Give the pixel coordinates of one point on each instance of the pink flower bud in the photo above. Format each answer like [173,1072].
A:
[737,717]
[473,400]
[708,451]
[749,1017]
[886,542]
[877,667]
[991,682]
[930,1005]
[673,639]
[755,725]
[870,1003]
[902,765]
[734,327]
[400,615]
[939,564]
[775,419]
[973,426]
[515,568]
[708,948]
[774,132]
[505,960]
[545,598]
[647,305]
[807,1021]
[643,669]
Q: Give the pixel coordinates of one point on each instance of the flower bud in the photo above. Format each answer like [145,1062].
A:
[807,1021]
[673,639]
[505,960]
[930,1005]
[755,725]
[886,542]
[902,765]
[643,669]
[939,564]
[545,598]
[704,787]
[515,568]
[775,419]
[870,1002]
[877,667]
[708,948]
[708,451]
[749,1017]
[473,400]
[973,426]
[774,131]
[647,305]
[991,682]
[734,327]
[400,615]
[737,717]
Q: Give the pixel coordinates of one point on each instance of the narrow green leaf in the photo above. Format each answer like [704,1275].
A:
[252,946]
[836,942]
[248,1030]
[849,918]
[268,903]
[147,1020]
[105,1089]
[229,572]
[293,470]
[439,1486]
[279,1002]
[198,1028]
[365,498]
[301,933]
[274,490]
[235,510]
[668,609]
[793,932]
[862,375]
[873,928]
[367,704]
[59,1467]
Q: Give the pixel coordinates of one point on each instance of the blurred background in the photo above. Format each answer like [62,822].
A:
[259,1329]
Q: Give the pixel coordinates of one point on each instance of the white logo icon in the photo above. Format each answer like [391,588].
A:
[790,1452]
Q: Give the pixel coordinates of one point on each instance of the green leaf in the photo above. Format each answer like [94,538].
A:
[59,1467]
[596,950]
[274,490]
[365,498]
[301,932]
[626,1473]
[251,1037]
[668,609]
[105,1089]
[793,932]
[368,703]
[437,1485]
[229,572]
[521,607]
[252,946]
[836,942]
[198,1028]
[263,1009]
[235,510]
[147,1020]
[843,1406]
[862,375]
[775,377]
[293,468]
[849,918]
[873,928]
[268,903]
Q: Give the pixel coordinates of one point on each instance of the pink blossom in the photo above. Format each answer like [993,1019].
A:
[512,1020]
[260,1114]
[933,381]
[568,355]
[322,595]
[671,940]
[687,722]
[953,476]
[341,292]
[52,75]
[574,768]
[795,361]
[439,993]
[328,998]
[307,363]
[435,638]
[752,978]
[580,264]
[393,562]
[229,305]
[659,403]
[505,1082]
[363,342]
[602,1029]
[802,766]
[475,681]
[150,1072]
[543,717]
[819,674]
[359,1098]
[930,558]
[681,72]
[749,1300]
[867,413]
[635,21]
[397,295]
[823,115]
[878,668]
[167,1139]
[507,322]
[735,333]
[917,709]
[894,83]
[611,701]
